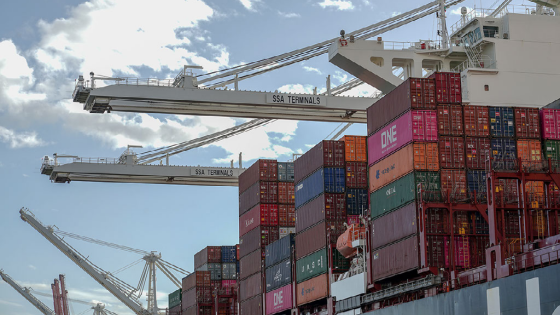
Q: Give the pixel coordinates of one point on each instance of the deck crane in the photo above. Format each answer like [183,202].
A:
[26,293]
[98,308]
[127,294]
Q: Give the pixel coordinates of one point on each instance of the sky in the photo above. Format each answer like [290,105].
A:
[46,44]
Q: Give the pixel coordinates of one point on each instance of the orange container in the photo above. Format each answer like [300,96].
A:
[426,157]
[391,168]
[529,151]
[355,148]
[312,289]
[534,190]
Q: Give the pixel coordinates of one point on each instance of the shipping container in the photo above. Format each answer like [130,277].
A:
[261,170]
[356,174]
[287,215]
[414,93]
[286,193]
[312,265]
[437,221]
[394,226]
[279,300]
[338,262]
[210,254]
[395,259]
[215,270]
[454,184]
[174,298]
[260,192]
[504,154]
[229,271]
[328,207]
[257,238]
[352,219]
[477,151]
[355,149]
[229,286]
[451,152]
[550,123]
[285,231]
[324,180]
[507,191]
[448,87]
[450,120]
[311,240]
[435,251]
[356,201]
[551,150]
[279,275]
[462,252]
[501,122]
[530,154]
[250,287]
[196,279]
[426,156]
[391,168]
[312,290]
[176,310]
[477,122]
[260,215]
[527,122]
[476,183]
[415,125]
[327,153]
[279,250]
[229,254]
[286,172]
[195,296]
[251,307]
[534,191]
[250,264]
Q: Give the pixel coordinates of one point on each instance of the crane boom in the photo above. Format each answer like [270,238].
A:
[26,293]
[82,262]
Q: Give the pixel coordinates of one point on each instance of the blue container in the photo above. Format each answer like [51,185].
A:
[237,262]
[504,154]
[324,180]
[229,254]
[476,182]
[501,122]
[286,171]
[279,250]
[356,201]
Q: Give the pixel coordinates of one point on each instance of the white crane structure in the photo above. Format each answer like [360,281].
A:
[127,294]
[26,293]
[98,308]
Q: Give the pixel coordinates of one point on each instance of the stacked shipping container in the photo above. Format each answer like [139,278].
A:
[279,264]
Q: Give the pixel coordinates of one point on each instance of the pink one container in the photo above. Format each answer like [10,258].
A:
[414,125]
[550,124]
[279,300]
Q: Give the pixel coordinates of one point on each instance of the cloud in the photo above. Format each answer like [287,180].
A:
[289,15]
[311,69]
[395,13]
[10,303]
[296,88]
[337,4]
[20,140]
[249,4]
[32,267]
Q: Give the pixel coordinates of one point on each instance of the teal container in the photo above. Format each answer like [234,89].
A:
[311,266]
[174,299]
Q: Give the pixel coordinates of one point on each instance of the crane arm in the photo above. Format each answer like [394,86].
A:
[103,278]
[26,293]
[501,7]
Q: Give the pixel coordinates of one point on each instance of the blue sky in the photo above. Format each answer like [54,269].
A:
[45,45]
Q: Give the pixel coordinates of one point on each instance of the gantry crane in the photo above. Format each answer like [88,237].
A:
[98,308]
[26,293]
[127,294]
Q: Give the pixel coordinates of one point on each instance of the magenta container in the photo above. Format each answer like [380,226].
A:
[414,125]
[550,124]
[279,300]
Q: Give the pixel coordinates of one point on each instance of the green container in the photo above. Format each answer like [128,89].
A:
[311,266]
[339,262]
[551,150]
[174,299]
[431,181]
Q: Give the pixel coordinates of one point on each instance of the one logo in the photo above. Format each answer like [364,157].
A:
[278,298]
[389,136]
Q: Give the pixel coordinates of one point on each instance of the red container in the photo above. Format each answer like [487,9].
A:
[352,219]
[507,192]
[251,264]
[477,150]
[454,184]
[251,307]
[279,300]
[529,151]
[210,254]
[257,238]
[550,123]
[462,252]
[261,192]
[527,122]
[261,170]
[261,214]
[311,240]
[195,296]
[198,279]
[250,287]
[287,215]
[450,120]
[448,87]
[286,193]
[477,121]
[327,153]
[395,259]
[413,93]
[462,223]
[394,226]
[437,221]
[312,289]
[435,251]
[328,207]
[355,149]
[451,152]
[356,175]
[478,247]
[229,286]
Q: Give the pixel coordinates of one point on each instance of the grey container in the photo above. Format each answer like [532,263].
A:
[285,171]
[215,271]
[229,271]
[279,275]
[279,250]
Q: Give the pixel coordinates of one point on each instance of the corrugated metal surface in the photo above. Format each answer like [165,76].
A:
[356,174]
[287,215]
[324,180]
[279,250]
[356,201]
[174,298]
[391,168]
[550,123]
[279,275]
[501,122]
[251,307]
[415,125]
[250,264]
[229,254]
[504,154]
[527,122]
[208,254]
[285,171]
[286,193]
[311,240]
[477,150]
[215,270]
[450,120]
[426,156]
[430,181]
[325,207]
[355,149]
[551,149]
[451,152]
[229,271]
[327,153]
[454,183]
[175,310]
[261,214]
[261,170]
[395,259]
[261,192]
[312,290]
[476,182]
[392,196]
[279,300]
[311,266]
[529,151]
[448,87]
[250,287]
[257,238]
[412,93]
[285,231]
[196,295]
[196,279]
[477,121]
[394,226]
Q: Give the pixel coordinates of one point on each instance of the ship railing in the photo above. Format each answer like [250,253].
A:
[145,81]
[480,13]
[484,62]
[530,261]
[98,160]
[469,279]
[421,45]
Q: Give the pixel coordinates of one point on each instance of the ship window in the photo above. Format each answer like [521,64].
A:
[490,31]
[486,87]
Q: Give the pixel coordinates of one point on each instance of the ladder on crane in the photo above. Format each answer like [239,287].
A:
[26,293]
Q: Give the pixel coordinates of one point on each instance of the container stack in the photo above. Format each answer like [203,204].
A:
[197,294]
[174,302]
[355,157]
[279,263]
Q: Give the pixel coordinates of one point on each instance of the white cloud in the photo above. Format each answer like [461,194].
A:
[311,69]
[249,4]
[289,15]
[395,13]
[20,140]
[337,4]
[32,267]
[296,88]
